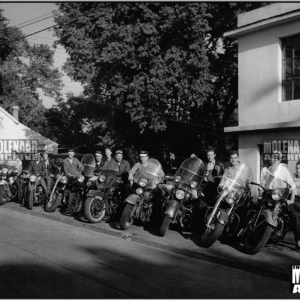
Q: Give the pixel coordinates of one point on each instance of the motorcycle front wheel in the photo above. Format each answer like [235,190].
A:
[126,218]
[30,200]
[256,239]
[52,204]
[2,195]
[75,203]
[165,226]
[212,234]
[94,209]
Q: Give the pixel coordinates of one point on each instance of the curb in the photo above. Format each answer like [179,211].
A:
[209,257]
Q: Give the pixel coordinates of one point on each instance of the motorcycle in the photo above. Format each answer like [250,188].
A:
[105,198]
[8,190]
[223,217]
[139,205]
[268,218]
[80,188]
[59,193]
[182,192]
[34,195]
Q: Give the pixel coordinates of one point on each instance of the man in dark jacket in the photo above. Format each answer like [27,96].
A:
[214,171]
[48,167]
[99,162]
[123,164]
[72,166]
[37,167]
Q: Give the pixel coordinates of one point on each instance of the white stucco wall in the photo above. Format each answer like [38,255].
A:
[10,129]
[260,76]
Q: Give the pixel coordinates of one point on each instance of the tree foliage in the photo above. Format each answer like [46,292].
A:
[154,72]
[24,72]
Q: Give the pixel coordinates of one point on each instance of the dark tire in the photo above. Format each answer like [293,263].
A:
[255,240]
[211,235]
[126,219]
[30,200]
[53,203]
[165,226]
[1,195]
[75,204]
[94,209]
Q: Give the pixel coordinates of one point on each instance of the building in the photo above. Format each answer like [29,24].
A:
[16,136]
[269,84]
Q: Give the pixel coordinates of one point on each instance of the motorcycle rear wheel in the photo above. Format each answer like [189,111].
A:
[91,209]
[53,203]
[75,203]
[165,226]
[211,235]
[126,219]
[257,239]
[30,200]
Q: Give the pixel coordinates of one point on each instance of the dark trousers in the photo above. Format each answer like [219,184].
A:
[43,184]
[294,217]
[48,180]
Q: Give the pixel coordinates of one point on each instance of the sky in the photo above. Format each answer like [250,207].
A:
[18,13]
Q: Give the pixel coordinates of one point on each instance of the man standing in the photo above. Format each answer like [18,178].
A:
[123,164]
[108,159]
[214,170]
[37,168]
[17,163]
[48,171]
[99,161]
[72,166]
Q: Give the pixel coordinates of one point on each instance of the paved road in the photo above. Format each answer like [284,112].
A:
[45,258]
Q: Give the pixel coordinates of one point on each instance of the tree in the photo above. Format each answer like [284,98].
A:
[145,63]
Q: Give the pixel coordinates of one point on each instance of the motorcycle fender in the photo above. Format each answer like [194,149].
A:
[31,187]
[94,193]
[222,217]
[171,209]
[268,216]
[133,199]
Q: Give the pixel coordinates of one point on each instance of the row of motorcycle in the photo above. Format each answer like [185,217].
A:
[169,201]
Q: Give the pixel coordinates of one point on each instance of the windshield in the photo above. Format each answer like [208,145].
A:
[110,178]
[89,164]
[152,172]
[192,169]
[278,176]
[235,178]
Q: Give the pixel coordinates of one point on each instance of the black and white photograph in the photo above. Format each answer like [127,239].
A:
[150,150]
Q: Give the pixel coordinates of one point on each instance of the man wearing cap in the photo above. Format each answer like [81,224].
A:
[99,162]
[123,164]
[37,167]
[144,156]
[72,165]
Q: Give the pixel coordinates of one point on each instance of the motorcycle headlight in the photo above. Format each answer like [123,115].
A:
[143,182]
[90,183]
[64,180]
[102,178]
[139,191]
[277,195]
[180,194]
[229,200]
[193,184]
[32,178]
[80,178]
[177,178]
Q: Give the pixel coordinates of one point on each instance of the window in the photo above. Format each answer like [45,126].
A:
[291,68]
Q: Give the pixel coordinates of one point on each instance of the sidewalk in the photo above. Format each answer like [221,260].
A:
[272,261]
